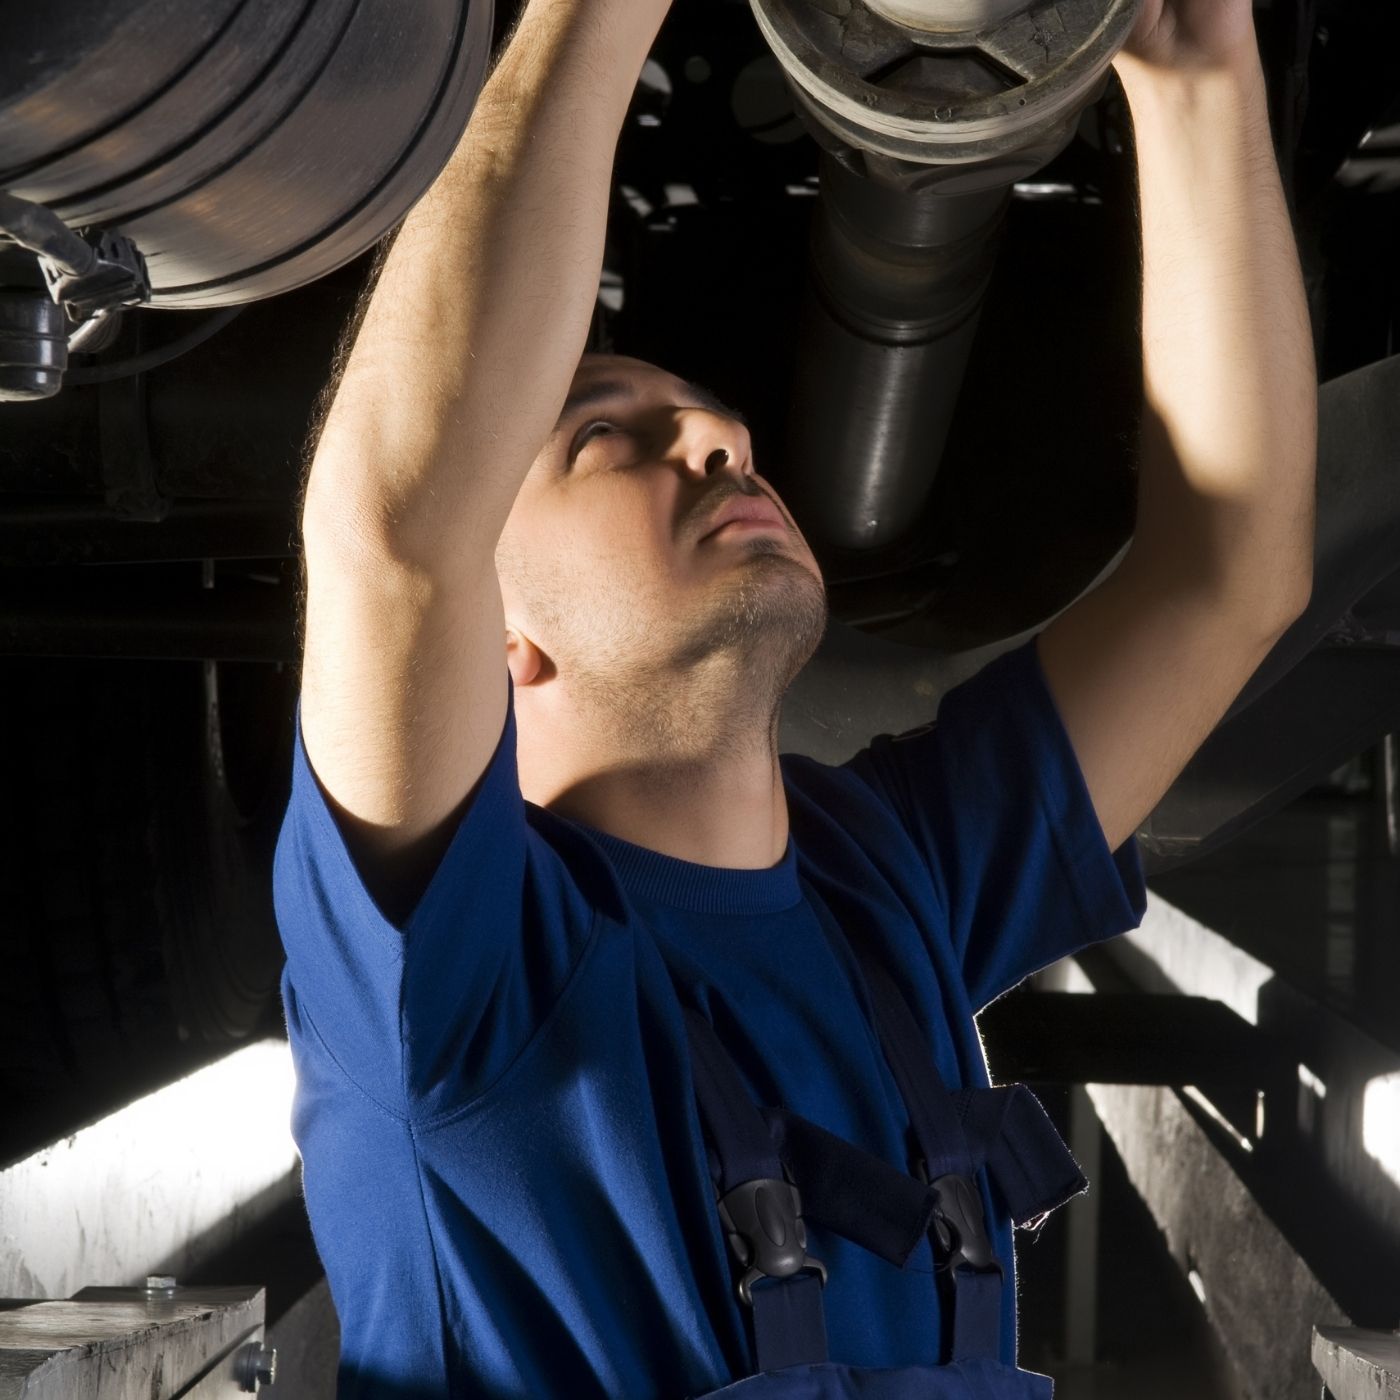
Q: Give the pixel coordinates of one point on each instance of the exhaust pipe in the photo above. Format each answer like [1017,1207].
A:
[927,112]
[895,294]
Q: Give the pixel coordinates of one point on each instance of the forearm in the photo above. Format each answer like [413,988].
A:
[1226,485]
[482,309]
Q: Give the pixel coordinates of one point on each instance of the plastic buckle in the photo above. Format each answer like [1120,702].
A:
[763,1220]
[959,1222]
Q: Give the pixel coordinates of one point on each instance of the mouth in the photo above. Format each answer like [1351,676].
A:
[745,515]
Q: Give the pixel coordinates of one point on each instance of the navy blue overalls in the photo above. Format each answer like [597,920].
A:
[771,1168]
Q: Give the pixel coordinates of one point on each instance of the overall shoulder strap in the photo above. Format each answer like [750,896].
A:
[1004,1130]
[947,1164]
[760,1210]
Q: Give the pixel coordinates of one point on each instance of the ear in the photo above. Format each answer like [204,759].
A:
[525,659]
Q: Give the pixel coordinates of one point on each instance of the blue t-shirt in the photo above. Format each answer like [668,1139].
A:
[502,1158]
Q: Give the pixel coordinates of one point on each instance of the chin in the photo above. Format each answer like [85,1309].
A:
[772,613]
[766,547]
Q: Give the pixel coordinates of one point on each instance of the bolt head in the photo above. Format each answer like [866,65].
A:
[257,1366]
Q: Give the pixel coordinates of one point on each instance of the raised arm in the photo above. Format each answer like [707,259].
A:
[1221,561]
[459,369]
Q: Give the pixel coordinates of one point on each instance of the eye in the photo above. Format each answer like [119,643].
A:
[587,434]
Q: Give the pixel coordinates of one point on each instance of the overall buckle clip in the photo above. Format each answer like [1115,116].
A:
[763,1221]
[959,1222]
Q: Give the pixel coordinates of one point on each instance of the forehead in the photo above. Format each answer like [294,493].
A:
[603,381]
[601,377]
[595,369]
[595,366]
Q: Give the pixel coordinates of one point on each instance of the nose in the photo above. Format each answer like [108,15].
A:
[712,443]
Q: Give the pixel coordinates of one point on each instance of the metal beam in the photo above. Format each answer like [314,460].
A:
[132,1344]
[1124,1038]
[1356,1364]
[1258,1292]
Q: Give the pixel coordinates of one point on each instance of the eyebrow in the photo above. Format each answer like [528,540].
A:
[603,391]
[708,399]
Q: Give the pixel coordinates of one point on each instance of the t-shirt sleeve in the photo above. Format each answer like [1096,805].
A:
[993,796]
[422,1016]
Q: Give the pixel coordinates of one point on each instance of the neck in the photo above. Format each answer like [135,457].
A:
[672,778]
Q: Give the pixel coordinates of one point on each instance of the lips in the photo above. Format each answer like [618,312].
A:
[758,510]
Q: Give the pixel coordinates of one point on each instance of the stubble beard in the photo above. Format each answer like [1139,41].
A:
[719,671]
[767,622]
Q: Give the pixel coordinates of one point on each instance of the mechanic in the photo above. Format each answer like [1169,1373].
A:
[579,970]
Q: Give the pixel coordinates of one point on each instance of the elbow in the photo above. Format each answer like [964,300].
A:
[1282,582]
[1285,602]
[1296,589]
[1259,609]
[1260,604]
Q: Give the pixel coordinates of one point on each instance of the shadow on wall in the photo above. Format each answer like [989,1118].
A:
[1322,1154]
[1331,1167]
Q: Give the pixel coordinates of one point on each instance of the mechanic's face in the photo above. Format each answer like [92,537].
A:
[615,561]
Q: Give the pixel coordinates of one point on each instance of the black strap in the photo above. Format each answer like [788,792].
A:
[960,1228]
[960,1234]
[1027,1161]
[760,1210]
[932,1112]
[852,1192]
[863,1199]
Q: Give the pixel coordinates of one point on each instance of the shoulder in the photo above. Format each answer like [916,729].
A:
[563,859]
[845,819]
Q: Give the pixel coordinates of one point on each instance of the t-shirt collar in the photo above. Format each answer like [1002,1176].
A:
[702,889]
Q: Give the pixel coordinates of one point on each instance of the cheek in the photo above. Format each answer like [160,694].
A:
[620,534]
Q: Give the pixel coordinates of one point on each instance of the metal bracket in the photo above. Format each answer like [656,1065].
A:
[118,277]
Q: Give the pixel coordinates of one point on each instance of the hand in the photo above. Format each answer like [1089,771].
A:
[1188,35]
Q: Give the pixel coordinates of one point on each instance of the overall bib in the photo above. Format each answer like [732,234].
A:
[771,1168]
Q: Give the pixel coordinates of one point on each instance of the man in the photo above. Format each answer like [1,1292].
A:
[507,891]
